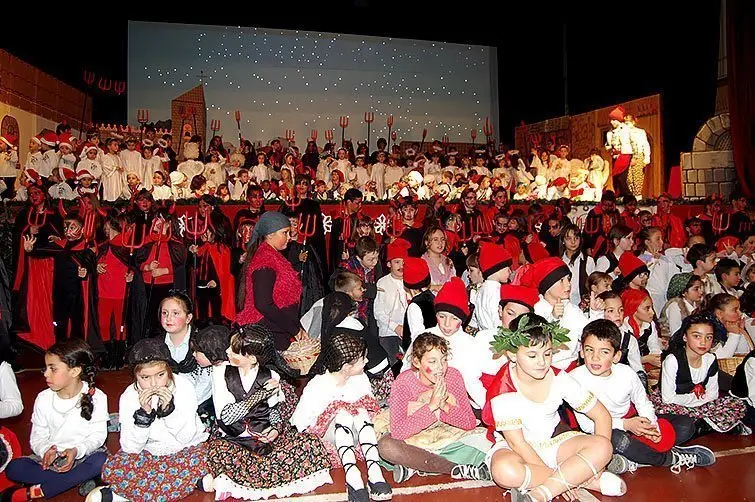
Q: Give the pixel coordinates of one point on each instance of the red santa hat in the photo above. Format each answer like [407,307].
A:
[545,274]
[83,173]
[49,138]
[65,140]
[630,267]
[9,140]
[617,114]
[87,148]
[560,181]
[67,173]
[453,298]
[37,139]
[340,175]
[398,249]
[493,257]
[416,273]
[522,295]
[726,242]
[32,177]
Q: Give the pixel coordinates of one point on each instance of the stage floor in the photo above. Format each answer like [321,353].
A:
[732,478]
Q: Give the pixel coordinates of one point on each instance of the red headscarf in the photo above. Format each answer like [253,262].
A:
[632,298]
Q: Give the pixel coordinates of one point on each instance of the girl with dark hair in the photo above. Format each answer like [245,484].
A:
[69,427]
[620,241]
[732,337]
[163,451]
[571,250]
[338,406]
[689,381]
[256,453]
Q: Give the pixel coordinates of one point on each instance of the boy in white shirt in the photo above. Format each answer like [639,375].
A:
[639,437]
[495,265]
[391,301]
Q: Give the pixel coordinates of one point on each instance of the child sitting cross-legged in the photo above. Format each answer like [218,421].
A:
[639,437]
[527,458]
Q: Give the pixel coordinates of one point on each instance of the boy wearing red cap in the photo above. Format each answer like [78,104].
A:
[515,301]
[49,156]
[472,357]
[552,278]
[391,301]
[420,314]
[638,436]
[495,265]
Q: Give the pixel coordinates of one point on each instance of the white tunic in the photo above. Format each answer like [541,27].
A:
[574,320]
[92,166]
[321,391]
[131,160]
[49,162]
[260,173]
[616,392]
[661,270]
[378,176]
[113,180]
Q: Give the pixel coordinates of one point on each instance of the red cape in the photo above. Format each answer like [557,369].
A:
[221,260]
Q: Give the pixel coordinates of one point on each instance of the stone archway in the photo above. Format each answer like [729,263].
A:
[714,135]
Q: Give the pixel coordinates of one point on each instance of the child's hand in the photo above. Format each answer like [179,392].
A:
[82,272]
[129,276]
[399,330]
[272,384]
[652,359]
[49,457]
[193,248]
[158,272]
[152,265]
[29,243]
[145,399]
[212,284]
[639,426]
[101,268]
[70,456]
[558,310]
[165,396]
[303,256]
[596,304]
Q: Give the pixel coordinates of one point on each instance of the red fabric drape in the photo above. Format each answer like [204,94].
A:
[740,28]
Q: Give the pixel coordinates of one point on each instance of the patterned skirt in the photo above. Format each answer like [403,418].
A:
[163,478]
[381,388]
[298,464]
[723,414]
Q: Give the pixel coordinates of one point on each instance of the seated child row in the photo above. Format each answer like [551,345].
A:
[254,440]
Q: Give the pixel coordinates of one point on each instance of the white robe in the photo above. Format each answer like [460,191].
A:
[113,180]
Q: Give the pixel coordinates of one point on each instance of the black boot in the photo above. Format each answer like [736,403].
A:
[702,428]
[121,354]
[106,363]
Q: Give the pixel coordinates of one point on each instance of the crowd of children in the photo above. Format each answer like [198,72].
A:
[482,342]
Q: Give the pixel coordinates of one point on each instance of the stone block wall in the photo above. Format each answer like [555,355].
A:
[706,173]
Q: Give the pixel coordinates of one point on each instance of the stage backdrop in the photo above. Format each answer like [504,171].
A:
[588,130]
[296,80]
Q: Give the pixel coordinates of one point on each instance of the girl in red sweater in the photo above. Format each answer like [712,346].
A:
[432,426]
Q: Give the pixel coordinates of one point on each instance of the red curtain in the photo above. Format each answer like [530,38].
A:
[740,26]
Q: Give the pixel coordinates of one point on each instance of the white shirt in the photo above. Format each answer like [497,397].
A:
[58,422]
[49,162]
[634,358]
[165,436]
[674,315]
[390,305]
[311,322]
[321,391]
[485,315]
[602,265]
[616,391]
[678,258]
[131,160]
[537,421]
[93,166]
[574,320]
[113,180]
[619,139]
[471,356]
[221,396]
[574,296]
[11,404]
[392,175]
[639,142]
[161,192]
[415,320]
[260,172]
[668,384]
[378,176]
[662,269]
[178,352]
[731,346]
[750,378]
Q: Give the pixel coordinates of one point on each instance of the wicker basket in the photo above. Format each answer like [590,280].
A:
[729,364]
[302,354]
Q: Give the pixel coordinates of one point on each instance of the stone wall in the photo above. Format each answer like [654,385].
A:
[709,168]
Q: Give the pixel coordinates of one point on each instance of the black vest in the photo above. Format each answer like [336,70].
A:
[258,418]
[425,301]
[684,383]
[739,384]
[625,347]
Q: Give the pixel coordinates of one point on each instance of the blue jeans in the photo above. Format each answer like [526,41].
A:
[29,472]
[635,450]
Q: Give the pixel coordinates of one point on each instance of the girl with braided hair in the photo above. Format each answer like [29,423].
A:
[255,453]
[68,431]
[338,406]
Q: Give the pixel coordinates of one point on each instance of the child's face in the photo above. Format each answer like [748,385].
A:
[72,230]
[501,224]
[321,189]
[360,162]
[369,260]
[479,162]
[260,159]
[396,266]
[202,359]
[153,376]
[639,281]
[501,276]
[432,366]
[58,375]
[357,292]
[92,154]
[614,311]
[65,149]
[561,289]
[534,361]
[699,338]
[475,275]
[157,180]
[751,274]
[355,367]
[112,147]
[131,145]
[173,316]
[731,279]
[645,311]
[521,189]
[335,178]
[729,312]
[147,153]
[655,243]
[626,243]
[408,212]
[341,154]
[695,293]
[240,360]
[244,177]
[748,246]
[132,179]
[34,146]
[599,355]
[364,229]
[708,264]
[86,181]
[571,239]
[448,323]
[511,311]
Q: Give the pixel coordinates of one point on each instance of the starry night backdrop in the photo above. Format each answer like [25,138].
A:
[616,51]
[301,80]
